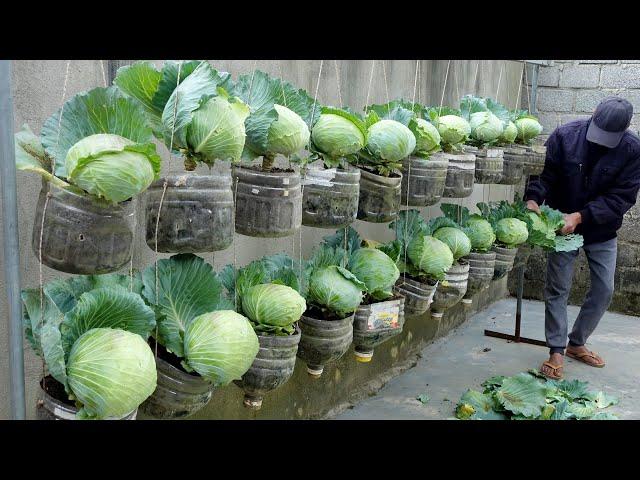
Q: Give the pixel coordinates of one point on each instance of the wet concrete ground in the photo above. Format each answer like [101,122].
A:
[465,358]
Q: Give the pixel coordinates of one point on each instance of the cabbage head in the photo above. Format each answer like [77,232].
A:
[528,128]
[336,289]
[509,133]
[337,136]
[288,134]
[455,239]
[485,127]
[273,304]
[480,233]
[390,141]
[512,232]
[111,372]
[427,136]
[376,270]
[220,346]
[453,129]
[112,167]
[430,255]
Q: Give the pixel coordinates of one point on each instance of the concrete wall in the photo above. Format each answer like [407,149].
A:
[38,93]
[569,90]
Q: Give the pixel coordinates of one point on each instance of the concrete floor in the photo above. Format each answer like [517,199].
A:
[465,358]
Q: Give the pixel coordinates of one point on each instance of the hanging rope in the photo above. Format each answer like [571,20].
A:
[499,80]
[386,86]
[520,86]
[373,65]
[444,87]
[526,82]
[475,78]
[335,64]
[457,84]
[104,76]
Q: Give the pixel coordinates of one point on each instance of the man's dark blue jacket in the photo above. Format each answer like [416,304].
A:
[602,190]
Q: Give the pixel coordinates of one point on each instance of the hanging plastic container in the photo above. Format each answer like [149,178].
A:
[534,159]
[505,258]
[196,216]
[82,234]
[56,406]
[481,267]
[424,179]
[268,203]
[178,394]
[323,341]
[450,292]
[513,165]
[376,323]
[330,197]
[489,165]
[272,367]
[460,175]
[417,295]
[379,200]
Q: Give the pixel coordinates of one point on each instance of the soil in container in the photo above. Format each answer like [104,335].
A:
[197,213]
[325,338]
[424,179]
[82,234]
[179,393]
[379,200]
[376,323]
[330,197]
[268,202]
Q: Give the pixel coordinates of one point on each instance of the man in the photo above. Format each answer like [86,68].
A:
[592,175]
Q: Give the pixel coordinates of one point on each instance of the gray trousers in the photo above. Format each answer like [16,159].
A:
[560,267]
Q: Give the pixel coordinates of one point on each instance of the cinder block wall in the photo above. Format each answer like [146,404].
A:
[569,90]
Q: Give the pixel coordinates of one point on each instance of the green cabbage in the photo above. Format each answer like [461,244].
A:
[456,240]
[288,134]
[337,136]
[453,129]
[485,127]
[112,167]
[430,255]
[111,372]
[511,232]
[336,289]
[528,128]
[509,133]
[220,346]
[376,270]
[427,136]
[390,141]
[273,304]
[480,234]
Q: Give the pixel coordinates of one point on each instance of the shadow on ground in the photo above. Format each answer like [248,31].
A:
[465,358]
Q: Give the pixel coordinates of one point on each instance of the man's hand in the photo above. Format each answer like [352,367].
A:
[571,221]
[533,205]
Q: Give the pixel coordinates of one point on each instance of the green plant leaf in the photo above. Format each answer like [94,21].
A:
[187,288]
[168,80]
[101,110]
[581,411]
[353,243]
[573,389]
[604,416]
[471,104]
[491,384]
[474,405]
[603,400]
[522,394]
[53,352]
[423,398]
[408,225]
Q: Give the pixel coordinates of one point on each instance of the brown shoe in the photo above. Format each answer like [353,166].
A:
[590,358]
[555,371]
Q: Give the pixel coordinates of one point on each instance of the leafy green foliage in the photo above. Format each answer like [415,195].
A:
[531,396]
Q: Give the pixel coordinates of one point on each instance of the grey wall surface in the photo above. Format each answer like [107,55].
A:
[38,93]
[570,90]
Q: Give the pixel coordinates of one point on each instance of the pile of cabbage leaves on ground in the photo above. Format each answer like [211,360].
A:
[531,396]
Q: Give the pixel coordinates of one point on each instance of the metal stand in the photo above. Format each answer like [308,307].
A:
[516,336]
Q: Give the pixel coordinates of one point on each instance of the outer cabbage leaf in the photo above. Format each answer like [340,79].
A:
[474,405]
[274,305]
[522,394]
[390,141]
[376,270]
[336,289]
[456,240]
[430,255]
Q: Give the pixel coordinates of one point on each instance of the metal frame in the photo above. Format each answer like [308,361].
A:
[11,244]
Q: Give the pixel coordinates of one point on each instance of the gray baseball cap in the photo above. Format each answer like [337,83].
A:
[609,122]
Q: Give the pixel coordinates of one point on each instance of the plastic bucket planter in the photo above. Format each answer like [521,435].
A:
[451,291]
[330,197]
[272,367]
[417,295]
[81,234]
[376,323]
[268,203]
[460,175]
[55,405]
[513,165]
[196,216]
[481,267]
[489,165]
[423,180]
[534,159]
[379,200]
[323,341]
[504,260]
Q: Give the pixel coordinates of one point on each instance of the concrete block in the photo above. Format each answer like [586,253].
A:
[598,61]
[556,100]
[580,76]
[549,76]
[620,76]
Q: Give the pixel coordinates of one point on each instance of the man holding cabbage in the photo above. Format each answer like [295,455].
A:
[592,175]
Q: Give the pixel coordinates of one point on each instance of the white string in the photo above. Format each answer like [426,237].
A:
[444,87]
[457,72]
[386,86]
[373,64]
[526,82]
[104,76]
[520,85]
[475,78]
[415,85]
[335,63]
[499,79]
